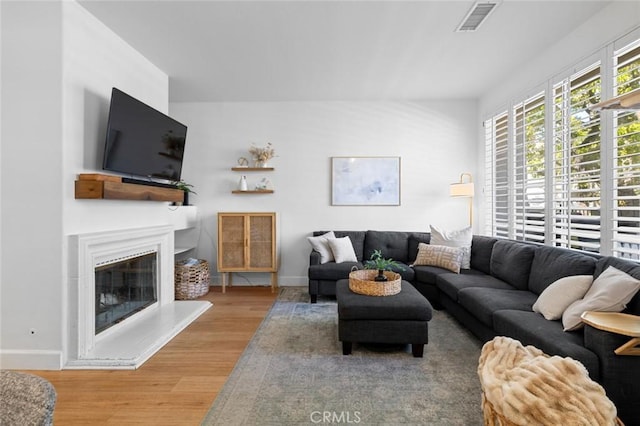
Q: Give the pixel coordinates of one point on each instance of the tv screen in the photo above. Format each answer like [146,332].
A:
[142,141]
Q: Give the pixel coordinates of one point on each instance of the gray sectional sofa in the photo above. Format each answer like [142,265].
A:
[495,298]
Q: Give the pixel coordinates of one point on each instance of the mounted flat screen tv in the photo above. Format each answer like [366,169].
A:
[141,141]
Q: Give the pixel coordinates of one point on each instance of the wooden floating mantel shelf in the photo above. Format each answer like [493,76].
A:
[95,186]
[257,191]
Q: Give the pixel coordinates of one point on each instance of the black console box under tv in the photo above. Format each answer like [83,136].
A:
[148,183]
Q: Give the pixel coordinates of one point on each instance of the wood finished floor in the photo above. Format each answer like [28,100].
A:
[180,382]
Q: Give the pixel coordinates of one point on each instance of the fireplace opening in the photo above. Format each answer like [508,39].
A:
[124,288]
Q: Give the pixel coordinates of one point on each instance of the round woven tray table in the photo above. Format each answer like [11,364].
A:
[362,282]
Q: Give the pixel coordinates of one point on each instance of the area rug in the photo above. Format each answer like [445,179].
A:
[293,373]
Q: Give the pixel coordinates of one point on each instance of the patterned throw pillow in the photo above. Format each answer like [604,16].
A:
[449,258]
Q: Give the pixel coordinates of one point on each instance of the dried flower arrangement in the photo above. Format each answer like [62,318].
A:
[262,155]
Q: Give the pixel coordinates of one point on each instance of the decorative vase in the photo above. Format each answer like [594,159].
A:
[242,185]
[261,164]
[380,277]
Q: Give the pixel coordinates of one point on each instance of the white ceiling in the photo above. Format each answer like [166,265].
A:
[336,50]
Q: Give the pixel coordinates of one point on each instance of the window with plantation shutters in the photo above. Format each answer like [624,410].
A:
[496,185]
[563,171]
[577,162]
[626,158]
[529,170]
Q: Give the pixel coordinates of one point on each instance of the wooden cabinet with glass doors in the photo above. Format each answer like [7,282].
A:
[247,243]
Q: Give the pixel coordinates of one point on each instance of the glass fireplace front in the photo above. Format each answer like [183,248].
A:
[124,288]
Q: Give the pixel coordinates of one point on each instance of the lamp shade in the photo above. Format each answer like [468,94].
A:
[461,189]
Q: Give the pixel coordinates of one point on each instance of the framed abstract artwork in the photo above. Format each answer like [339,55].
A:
[365,181]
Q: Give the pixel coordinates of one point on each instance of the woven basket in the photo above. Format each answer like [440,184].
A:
[362,282]
[191,281]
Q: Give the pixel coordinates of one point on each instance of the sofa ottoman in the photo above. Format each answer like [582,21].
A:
[399,319]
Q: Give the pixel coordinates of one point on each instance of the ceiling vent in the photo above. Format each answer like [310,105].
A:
[476,16]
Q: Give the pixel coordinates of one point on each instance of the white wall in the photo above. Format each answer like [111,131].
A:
[58,67]
[435,141]
[31,182]
[95,60]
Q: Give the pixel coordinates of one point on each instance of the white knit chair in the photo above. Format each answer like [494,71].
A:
[25,399]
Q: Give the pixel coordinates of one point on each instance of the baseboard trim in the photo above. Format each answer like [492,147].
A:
[241,280]
[30,360]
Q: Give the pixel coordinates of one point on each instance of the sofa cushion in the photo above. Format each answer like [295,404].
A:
[357,240]
[556,298]
[332,271]
[321,245]
[450,283]
[415,238]
[552,263]
[428,274]
[483,302]
[392,244]
[460,238]
[631,268]
[448,258]
[511,262]
[481,248]
[610,292]
[531,328]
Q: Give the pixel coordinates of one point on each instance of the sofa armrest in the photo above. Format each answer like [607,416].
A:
[314,258]
[619,374]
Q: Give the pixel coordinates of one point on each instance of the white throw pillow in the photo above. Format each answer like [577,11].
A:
[440,256]
[610,292]
[556,298]
[459,238]
[342,250]
[321,245]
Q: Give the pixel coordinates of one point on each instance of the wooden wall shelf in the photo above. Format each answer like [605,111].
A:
[110,188]
[252,169]
[256,191]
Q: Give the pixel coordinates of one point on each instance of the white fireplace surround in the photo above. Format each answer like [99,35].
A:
[131,342]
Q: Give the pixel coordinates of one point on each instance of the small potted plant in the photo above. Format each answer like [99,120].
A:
[187,188]
[381,264]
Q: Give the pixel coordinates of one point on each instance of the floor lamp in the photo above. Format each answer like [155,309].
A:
[464,189]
